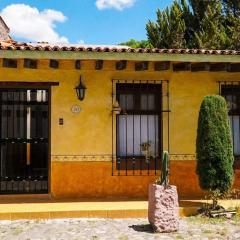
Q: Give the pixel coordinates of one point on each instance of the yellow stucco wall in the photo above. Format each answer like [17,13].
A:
[90,131]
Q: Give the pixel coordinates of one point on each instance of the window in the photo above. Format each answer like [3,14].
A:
[53,63]
[138,125]
[30,63]
[9,63]
[232,96]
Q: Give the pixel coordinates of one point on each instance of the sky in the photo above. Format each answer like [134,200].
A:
[79,21]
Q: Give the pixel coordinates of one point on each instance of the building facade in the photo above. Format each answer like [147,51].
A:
[137,103]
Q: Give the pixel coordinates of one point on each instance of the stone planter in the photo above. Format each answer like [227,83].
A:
[163,208]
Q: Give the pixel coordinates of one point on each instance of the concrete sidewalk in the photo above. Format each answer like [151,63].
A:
[43,208]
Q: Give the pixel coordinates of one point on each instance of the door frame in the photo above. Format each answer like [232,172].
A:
[38,86]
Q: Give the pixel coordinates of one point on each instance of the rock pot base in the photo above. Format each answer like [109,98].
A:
[163,208]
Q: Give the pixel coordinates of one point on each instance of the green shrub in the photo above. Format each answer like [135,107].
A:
[214,146]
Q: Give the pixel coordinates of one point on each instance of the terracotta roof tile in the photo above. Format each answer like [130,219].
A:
[12,45]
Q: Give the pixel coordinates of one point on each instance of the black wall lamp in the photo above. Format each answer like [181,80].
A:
[80,90]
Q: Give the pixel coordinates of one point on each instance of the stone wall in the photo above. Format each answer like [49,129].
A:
[3,31]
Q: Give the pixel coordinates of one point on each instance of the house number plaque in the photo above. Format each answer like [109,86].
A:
[76,109]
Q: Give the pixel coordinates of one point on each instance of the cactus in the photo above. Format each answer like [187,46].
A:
[164,180]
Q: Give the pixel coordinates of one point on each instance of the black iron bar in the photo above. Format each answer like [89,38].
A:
[117,130]
[113,129]
[126,106]
[13,114]
[1,145]
[233,110]
[161,132]
[134,104]
[7,117]
[18,116]
[147,93]
[168,126]
[6,155]
[155,134]
[140,90]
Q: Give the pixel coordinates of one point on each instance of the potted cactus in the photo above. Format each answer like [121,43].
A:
[146,150]
[163,208]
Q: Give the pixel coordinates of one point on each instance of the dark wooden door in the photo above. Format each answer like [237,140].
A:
[24,138]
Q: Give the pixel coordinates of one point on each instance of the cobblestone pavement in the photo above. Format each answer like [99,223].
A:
[121,229]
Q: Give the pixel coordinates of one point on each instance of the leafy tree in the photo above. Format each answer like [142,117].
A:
[137,44]
[234,32]
[199,7]
[232,22]
[232,7]
[208,24]
[214,145]
[212,34]
[191,24]
[169,30]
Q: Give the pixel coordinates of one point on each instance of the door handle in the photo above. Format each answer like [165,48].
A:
[28,135]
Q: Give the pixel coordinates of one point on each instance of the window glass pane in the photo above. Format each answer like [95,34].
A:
[147,102]
[134,130]
[234,122]
[126,101]
[231,102]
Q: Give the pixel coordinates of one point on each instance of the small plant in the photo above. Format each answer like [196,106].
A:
[146,149]
[164,179]
[214,209]
[215,195]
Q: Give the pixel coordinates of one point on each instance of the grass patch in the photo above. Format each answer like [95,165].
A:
[206,220]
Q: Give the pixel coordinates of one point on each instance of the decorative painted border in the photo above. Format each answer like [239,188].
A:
[81,158]
[176,157]
[109,158]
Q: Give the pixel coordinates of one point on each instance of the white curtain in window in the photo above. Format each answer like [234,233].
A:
[133,130]
[234,122]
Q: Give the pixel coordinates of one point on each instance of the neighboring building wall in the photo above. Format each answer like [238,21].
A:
[90,131]
[3,31]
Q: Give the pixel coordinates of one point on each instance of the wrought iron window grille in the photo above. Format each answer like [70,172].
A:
[230,90]
[140,127]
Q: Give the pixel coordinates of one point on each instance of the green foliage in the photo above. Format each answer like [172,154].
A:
[164,179]
[169,30]
[232,7]
[212,24]
[165,169]
[137,44]
[214,146]
[212,34]
[234,32]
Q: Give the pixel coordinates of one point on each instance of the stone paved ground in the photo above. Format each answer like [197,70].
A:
[121,229]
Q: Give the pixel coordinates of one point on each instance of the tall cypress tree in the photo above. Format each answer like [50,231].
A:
[232,22]
[191,24]
[169,30]
[199,7]
[212,33]
[214,145]
[232,7]
[233,32]
[211,24]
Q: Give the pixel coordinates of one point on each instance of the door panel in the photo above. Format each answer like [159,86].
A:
[24,133]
